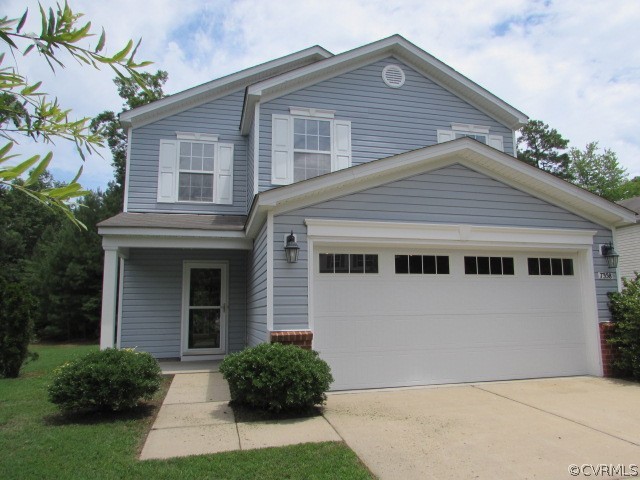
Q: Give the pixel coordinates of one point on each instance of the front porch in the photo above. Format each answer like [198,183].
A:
[177,293]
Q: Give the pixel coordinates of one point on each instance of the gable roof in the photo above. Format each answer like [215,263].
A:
[464,151]
[395,46]
[222,86]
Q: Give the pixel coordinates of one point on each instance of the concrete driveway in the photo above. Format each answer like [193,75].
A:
[513,430]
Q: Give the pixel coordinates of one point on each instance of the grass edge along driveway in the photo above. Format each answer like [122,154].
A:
[37,442]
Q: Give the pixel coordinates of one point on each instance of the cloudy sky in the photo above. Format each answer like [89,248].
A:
[573,63]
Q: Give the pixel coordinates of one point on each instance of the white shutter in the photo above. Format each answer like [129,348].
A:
[496,141]
[341,145]
[281,150]
[167,171]
[445,136]
[224,173]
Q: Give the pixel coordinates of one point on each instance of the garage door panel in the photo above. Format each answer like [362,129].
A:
[389,329]
[454,365]
[420,332]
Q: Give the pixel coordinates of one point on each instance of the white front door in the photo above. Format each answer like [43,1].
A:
[204,308]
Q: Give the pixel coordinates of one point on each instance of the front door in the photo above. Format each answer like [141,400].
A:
[204,307]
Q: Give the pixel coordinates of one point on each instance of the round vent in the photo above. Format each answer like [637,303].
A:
[393,76]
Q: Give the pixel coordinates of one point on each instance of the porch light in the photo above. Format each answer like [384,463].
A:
[610,254]
[291,248]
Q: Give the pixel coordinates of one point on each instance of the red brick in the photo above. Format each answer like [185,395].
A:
[301,338]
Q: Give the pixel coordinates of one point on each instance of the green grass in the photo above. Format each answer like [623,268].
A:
[37,442]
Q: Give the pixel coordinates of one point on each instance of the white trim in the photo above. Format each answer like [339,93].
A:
[270,247]
[169,232]
[614,240]
[187,265]
[468,128]
[126,171]
[312,112]
[120,297]
[197,137]
[218,88]
[348,231]
[590,305]
[515,145]
[109,294]
[463,151]
[310,283]
[141,241]
[256,150]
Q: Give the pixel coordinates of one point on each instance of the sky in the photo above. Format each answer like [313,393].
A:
[575,64]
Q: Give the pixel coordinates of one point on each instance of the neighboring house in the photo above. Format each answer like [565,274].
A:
[627,242]
[427,252]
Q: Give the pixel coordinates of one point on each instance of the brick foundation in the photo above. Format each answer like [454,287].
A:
[301,338]
[607,350]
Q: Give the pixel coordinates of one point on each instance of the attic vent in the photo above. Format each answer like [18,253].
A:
[393,76]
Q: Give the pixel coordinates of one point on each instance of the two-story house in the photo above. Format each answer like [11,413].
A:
[368,204]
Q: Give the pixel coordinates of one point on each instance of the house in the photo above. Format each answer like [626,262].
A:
[426,253]
[627,241]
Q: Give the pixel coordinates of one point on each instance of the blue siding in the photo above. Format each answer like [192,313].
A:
[257,290]
[385,121]
[454,194]
[221,117]
[152,298]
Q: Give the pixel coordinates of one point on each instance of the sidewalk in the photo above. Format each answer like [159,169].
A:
[195,419]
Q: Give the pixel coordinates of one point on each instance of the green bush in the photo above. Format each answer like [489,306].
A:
[625,333]
[16,327]
[109,379]
[277,377]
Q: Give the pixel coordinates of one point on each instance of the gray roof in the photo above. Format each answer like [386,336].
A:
[175,220]
[631,204]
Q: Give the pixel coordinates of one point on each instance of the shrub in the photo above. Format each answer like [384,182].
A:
[625,334]
[16,327]
[110,379]
[277,377]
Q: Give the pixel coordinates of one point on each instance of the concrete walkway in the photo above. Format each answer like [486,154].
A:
[195,419]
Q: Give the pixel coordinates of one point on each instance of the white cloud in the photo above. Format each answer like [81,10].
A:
[573,64]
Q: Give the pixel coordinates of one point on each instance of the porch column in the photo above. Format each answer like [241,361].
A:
[109,296]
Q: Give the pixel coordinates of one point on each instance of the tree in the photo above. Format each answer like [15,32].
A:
[25,111]
[134,96]
[544,148]
[600,173]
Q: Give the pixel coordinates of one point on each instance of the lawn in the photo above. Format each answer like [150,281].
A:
[39,443]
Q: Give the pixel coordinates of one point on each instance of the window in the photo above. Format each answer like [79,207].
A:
[488,265]
[550,266]
[422,264]
[195,168]
[311,148]
[195,173]
[308,143]
[348,263]
[475,136]
[481,133]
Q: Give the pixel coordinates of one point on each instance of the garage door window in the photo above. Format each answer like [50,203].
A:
[422,264]
[550,266]
[488,265]
[348,263]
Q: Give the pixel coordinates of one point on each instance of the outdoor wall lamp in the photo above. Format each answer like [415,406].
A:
[610,254]
[291,248]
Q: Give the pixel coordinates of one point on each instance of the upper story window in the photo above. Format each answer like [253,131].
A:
[195,168]
[477,132]
[311,148]
[307,143]
[196,173]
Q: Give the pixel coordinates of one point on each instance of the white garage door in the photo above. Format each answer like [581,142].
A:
[397,317]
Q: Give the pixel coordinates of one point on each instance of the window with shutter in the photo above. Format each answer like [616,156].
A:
[195,172]
[304,147]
